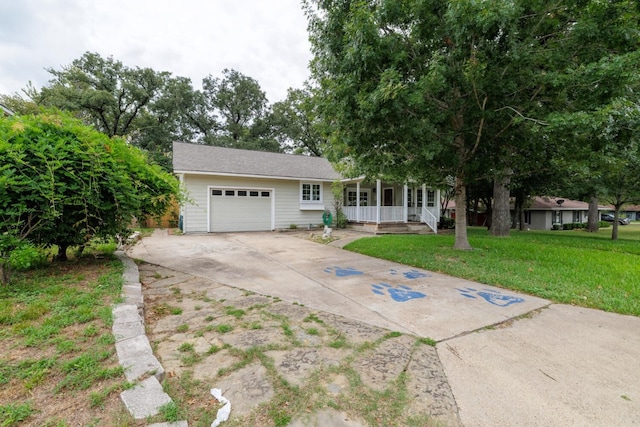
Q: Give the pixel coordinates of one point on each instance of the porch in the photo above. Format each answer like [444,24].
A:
[382,203]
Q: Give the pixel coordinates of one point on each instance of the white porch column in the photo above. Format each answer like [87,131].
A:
[378,197]
[438,214]
[405,200]
[358,201]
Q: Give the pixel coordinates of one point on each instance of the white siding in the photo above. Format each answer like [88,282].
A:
[286,196]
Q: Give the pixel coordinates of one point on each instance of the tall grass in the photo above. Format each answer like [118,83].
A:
[572,267]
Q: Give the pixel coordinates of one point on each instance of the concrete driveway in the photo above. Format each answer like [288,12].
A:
[511,359]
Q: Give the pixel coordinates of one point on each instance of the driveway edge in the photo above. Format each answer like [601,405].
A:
[134,350]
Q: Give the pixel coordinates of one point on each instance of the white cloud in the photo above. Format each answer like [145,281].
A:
[265,40]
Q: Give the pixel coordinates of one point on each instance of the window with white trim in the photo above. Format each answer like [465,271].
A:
[352,198]
[431,198]
[311,193]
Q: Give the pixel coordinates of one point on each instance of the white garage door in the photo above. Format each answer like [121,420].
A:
[240,209]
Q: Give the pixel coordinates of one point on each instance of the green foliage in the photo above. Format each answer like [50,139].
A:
[421,90]
[28,256]
[241,105]
[12,414]
[296,124]
[171,412]
[64,183]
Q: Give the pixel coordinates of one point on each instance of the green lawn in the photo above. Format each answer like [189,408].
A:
[571,267]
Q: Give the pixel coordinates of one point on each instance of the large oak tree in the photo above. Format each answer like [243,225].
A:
[423,89]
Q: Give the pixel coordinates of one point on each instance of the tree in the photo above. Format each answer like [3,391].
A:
[296,123]
[421,89]
[598,84]
[238,104]
[425,88]
[106,93]
[66,183]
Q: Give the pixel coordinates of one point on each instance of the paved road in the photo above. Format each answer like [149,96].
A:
[511,359]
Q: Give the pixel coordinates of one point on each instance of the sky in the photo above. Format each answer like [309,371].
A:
[263,39]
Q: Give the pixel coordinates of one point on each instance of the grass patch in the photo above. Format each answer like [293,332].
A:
[11,414]
[58,320]
[224,328]
[570,267]
[235,312]
[191,400]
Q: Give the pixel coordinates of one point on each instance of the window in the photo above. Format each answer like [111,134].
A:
[265,194]
[229,193]
[253,193]
[577,217]
[351,198]
[352,201]
[419,198]
[311,192]
[242,193]
[431,198]
[216,192]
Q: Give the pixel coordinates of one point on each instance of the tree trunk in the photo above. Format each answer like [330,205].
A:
[62,252]
[593,218]
[500,214]
[616,224]
[488,214]
[461,242]
[5,272]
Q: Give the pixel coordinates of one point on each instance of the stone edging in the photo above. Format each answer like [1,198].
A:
[134,350]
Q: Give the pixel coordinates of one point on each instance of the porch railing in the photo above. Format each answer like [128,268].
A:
[391,214]
[369,213]
[430,219]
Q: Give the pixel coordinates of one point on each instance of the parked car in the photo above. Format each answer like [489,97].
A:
[610,218]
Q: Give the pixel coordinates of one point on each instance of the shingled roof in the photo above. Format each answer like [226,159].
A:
[207,159]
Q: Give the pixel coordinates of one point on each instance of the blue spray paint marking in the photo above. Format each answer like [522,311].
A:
[401,293]
[410,274]
[493,297]
[343,272]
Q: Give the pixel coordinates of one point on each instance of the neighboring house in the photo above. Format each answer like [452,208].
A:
[540,214]
[243,190]
[544,212]
[631,212]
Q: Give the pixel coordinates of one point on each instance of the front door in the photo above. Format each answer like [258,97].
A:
[387,199]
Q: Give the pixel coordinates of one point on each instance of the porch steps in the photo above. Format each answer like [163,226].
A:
[400,228]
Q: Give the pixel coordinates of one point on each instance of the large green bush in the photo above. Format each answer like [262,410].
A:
[63,183]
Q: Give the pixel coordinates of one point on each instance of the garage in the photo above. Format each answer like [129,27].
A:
[240,209]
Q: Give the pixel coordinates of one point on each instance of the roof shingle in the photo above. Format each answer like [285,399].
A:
[231,161]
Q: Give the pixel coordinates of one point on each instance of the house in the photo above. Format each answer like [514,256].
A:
[543,212]
[631,212]
[244,190]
